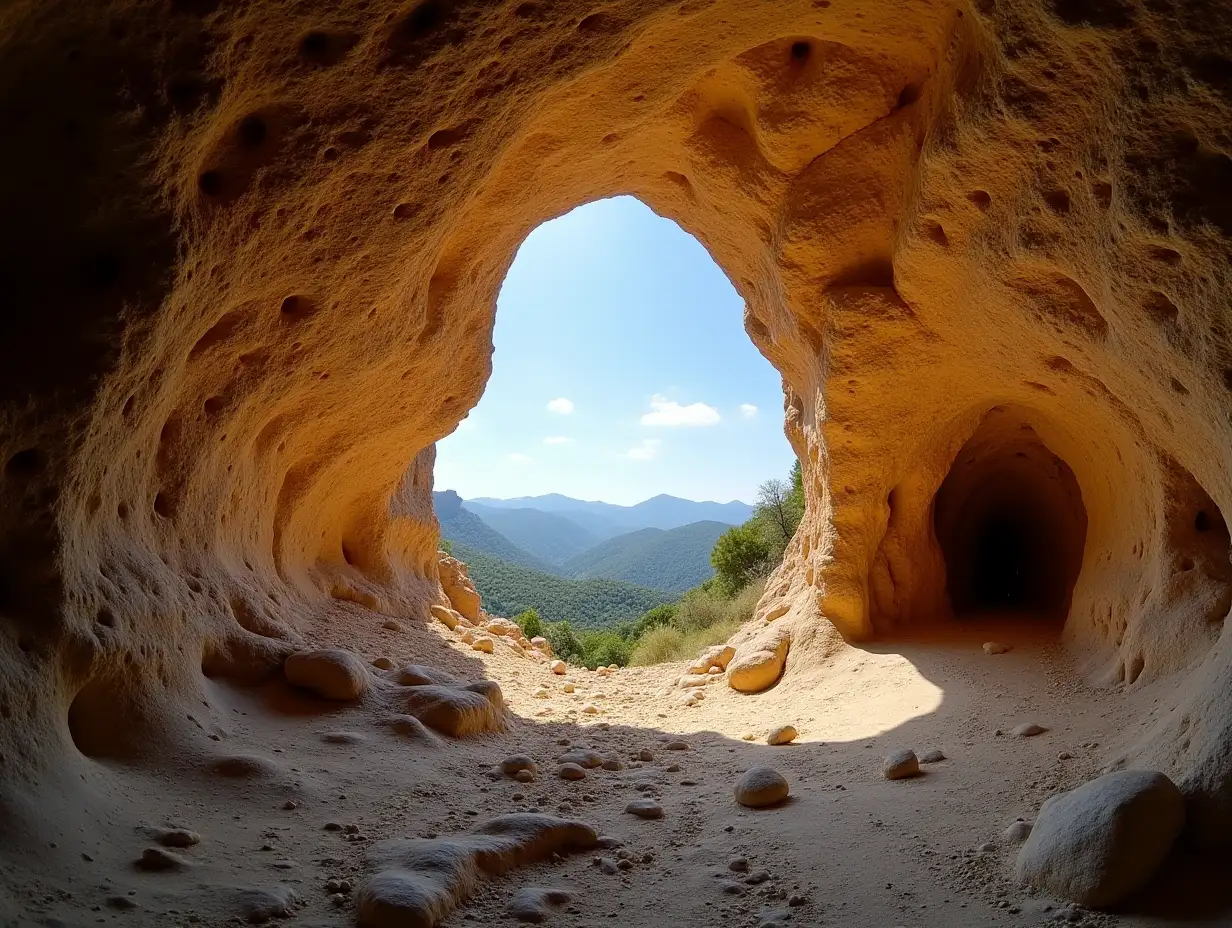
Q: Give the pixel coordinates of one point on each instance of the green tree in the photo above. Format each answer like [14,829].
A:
[740,556]
[601,648]
[565,644]
[446,545]
[777,513]
[530,623]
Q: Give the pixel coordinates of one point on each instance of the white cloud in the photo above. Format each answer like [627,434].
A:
[518,458]
[557,440]
[668,412]
[645,450]
[560,406]
[748,410]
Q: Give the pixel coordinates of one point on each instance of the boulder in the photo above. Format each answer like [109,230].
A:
[758,664]
[450,618]
[1099,844]
[900,765]
[331,673]
[759,787]
[559,668]
[458,587]
[458,710]
[718,655]
[784,734]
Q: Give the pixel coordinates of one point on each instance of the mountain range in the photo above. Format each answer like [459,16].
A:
[595,563]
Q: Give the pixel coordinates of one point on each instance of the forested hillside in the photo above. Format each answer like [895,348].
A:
[675,560]
[508,589]
[548,536]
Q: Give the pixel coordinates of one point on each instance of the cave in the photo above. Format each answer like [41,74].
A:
[1011,525]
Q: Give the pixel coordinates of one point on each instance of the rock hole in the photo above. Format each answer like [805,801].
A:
[446,138]
[253,131]
[404,211]
[1163,255]
[1160,308]
[1058,201]
[122,511]
[211,183]
[1134,669]
[163,505]
[981,198]
[424,19]
[213,405]
[1011,524]
[1102,193]
[1179,387]
[907,96]
[800,51]
[105,618]
[296,307]
[324,49]
[1187,564]
[26,463]
[935,231]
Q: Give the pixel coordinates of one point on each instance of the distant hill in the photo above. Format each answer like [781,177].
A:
[508,589]
[663,511]
[460,526]
[553,538]
[677,559]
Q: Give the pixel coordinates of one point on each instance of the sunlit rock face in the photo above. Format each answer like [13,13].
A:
[251,261]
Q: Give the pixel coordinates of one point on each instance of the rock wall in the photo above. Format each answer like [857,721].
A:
[253,276]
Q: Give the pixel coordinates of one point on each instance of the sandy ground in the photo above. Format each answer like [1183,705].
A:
[849,848]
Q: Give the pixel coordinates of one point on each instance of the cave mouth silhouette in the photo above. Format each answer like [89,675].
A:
[1011,524]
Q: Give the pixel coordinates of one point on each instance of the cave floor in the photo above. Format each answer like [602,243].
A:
[849,848]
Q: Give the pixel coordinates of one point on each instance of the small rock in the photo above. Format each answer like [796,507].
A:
[677,746]
[568,688]
[534,904]
[672,768]
[559,667]
[757,877]
[177,837]
[738,865]
[987,847]
[645,754]
[645,808]
[731,887]
[1065,755]
[624,864]
[483,643]
[384,663]
[996,647]
[525,776]
[1027,730]
[156,858]
[784,734]
[613,764]
[932,757]
[290,804]
[900,765]
[1018,832]
[590,709]
[570,772]
[606,865]
[391,625]
[515,763]
[760,787]
[542,693]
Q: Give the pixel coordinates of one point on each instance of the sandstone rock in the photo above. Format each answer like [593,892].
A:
[689,680]
[329,672]
[534,904]
[1027,730]
[458,587]
[932,757]
[570,772]
[422,675]
[612,763]
[559,667]
[483,643]
[515,763]
[738,865]
[458,710]
[245,766]
[503,627]
[758,664]
[1102,842]
[583,757]
[539,643]
[423,880]
[900,765]
[590,709]
[177,837]
[644,808]
[676,745]
[759,787]
[158,859]
[568,688]
[541,693]
[718,655]
[450,618]
[383,663]
[258,905]
[524,776]
[1017,832]
[784,734]
[996,647]
[410,727]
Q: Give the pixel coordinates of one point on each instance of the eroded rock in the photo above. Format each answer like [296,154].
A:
[331,673]
[760,787]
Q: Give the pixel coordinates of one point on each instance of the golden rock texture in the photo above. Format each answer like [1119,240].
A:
[250,261]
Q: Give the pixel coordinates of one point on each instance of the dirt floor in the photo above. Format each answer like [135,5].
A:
[849,848]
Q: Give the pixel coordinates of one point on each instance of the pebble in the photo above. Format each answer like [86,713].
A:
[1027,730]
[645,808]
[391,625]
[738,865]
[534,904]
[155,858]
[568,688]
[515,763]
[900,765]
[524,776]
[996,647]
[606,864]
[932,757]
[1018,832]
[645,754]
[484,644]
[784,734]
[590,709]
[178,837]
[560,668]
[677,746]
[570,772]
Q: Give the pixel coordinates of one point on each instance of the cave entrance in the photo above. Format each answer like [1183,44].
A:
[1011,524]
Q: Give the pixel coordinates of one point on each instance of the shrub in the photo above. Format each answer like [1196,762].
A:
[530,623]
[564,643]
[602,648]
[658,646]
[446,545]
[740,556]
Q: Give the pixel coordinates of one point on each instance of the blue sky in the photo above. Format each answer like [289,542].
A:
[622,370]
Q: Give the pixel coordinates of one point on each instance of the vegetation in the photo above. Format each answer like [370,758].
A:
[752,549]
[509,589]
[675,559]
[704,616]
[464,530]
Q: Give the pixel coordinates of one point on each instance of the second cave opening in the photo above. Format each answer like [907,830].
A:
[1011,524]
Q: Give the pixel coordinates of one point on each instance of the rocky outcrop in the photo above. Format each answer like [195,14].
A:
[457,586]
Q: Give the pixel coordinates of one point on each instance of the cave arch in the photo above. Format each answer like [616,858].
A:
[1011,524]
